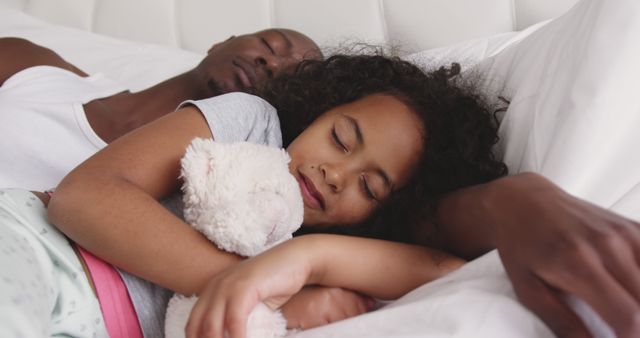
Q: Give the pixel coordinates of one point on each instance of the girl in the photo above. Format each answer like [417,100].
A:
[370,139]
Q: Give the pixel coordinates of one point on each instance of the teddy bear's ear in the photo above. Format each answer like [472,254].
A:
[198,168]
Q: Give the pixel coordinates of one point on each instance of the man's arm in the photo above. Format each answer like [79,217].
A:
[462,224]
[17,54]
[551,243]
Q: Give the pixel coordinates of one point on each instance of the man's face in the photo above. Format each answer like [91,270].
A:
[244,63]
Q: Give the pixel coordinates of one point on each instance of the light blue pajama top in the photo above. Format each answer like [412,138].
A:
[232,117]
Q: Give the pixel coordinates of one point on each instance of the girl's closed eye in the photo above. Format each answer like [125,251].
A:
[366,188]
[346,133]
[338,141]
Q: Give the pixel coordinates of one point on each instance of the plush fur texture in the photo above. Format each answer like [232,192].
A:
[242,197]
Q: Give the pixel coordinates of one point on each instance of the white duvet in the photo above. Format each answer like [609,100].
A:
[573,117]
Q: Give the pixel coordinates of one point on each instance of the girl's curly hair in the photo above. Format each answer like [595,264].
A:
[460,128]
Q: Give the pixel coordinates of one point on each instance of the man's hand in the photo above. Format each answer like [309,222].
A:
[551,242]
[316,305]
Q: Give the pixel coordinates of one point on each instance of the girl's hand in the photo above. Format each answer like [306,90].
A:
[317,305]
[551,243]
[226,302]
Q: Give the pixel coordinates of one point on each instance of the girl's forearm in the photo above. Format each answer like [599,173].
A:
[381,269]
[131,230]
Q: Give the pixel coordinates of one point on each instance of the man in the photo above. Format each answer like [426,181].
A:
[42,134]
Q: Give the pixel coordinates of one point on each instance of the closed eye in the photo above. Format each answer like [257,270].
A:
[266,43]
[367,190]
[337,140]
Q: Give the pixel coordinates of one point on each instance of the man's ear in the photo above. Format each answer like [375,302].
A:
[220,43]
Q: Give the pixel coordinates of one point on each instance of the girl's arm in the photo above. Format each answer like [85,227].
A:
[551,243]
[109,205]
[380,269]
[377,268]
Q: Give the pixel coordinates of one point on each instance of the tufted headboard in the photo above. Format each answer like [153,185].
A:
[195,24]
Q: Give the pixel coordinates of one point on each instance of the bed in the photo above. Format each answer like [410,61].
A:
[569,100]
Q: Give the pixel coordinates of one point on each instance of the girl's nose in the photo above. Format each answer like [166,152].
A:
[333,176]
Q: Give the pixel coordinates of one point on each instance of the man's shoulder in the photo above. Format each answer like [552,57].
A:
[17,54]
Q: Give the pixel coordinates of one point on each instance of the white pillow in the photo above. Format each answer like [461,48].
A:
[468,53]
[574,112]
[135,65]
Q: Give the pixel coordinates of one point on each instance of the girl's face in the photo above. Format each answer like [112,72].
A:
[353,157]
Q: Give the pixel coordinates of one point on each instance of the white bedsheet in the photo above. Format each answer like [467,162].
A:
[476,301]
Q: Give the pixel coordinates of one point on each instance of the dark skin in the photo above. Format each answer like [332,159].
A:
[240,63]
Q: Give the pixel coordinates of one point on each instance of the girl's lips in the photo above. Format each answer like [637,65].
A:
[310,195]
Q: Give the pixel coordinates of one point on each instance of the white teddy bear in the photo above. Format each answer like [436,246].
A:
[242,197]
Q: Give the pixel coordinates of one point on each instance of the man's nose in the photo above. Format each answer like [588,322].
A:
[271,64]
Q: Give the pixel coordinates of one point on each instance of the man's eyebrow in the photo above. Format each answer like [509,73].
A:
[287,41]
[360,139]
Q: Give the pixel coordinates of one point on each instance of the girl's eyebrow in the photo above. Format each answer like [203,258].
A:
[360,139]
[356,127]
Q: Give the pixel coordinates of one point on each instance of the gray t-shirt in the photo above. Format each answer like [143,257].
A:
[233,117]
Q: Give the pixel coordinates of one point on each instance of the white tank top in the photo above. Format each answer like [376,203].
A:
[44,131]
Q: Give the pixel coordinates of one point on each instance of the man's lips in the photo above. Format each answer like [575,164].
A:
[246,73]
[310,194]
